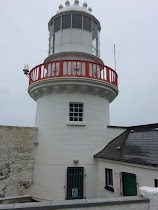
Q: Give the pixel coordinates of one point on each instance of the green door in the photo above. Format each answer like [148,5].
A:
[75,182]
[129,184]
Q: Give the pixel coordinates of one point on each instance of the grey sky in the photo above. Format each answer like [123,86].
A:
[131,24]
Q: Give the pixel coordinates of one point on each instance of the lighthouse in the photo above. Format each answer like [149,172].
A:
[73,88]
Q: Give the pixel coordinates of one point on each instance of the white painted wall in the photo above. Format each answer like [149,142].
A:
[60,144]
[152,194]
[145,176]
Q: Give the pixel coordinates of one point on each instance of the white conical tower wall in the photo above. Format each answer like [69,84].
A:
[60,142]
[72,73]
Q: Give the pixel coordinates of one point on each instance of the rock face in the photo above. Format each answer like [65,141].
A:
[16,160]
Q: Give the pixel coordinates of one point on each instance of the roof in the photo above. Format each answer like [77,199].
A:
[115,126]
[138,145]
[74,8]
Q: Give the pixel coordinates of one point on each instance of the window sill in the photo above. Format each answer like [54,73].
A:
[109,188]
[69,123]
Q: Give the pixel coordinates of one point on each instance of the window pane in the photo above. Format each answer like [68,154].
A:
[51,29]
[57,23]
[109,177]
[86,23]
[77,21]
[94,42]
[66,21]
[94,45]
[95,28]
[94,52]
[52,41]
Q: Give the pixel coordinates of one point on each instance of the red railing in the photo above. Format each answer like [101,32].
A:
[73,68]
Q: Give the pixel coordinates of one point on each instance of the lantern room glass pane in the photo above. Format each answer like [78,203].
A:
[87,23]
[94,42]
[66,21]
[95,45]
[77,21]
[94,52]
[57,24]
[51,29]
[95,28]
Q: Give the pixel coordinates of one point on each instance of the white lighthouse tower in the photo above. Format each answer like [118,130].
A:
[73,89]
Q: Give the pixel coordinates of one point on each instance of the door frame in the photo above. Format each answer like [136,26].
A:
[76,177]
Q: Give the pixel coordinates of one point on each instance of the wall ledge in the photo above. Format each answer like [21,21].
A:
[65,204]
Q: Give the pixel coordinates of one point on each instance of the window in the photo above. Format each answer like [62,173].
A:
[86,23]
[66,21]
[94,45]
[94,28]
[94,42]
[51,29]
[95,38]
[156,182]
[57,23]
[109,179]
[76,112]
[77,21]
[52,43]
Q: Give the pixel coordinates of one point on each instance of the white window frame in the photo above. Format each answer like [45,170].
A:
[108,179]
[71,114]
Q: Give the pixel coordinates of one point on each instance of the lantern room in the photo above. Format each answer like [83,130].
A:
[74,28]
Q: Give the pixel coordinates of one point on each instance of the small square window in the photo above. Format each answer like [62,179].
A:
[156,182]
[109,179]
[76,112]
